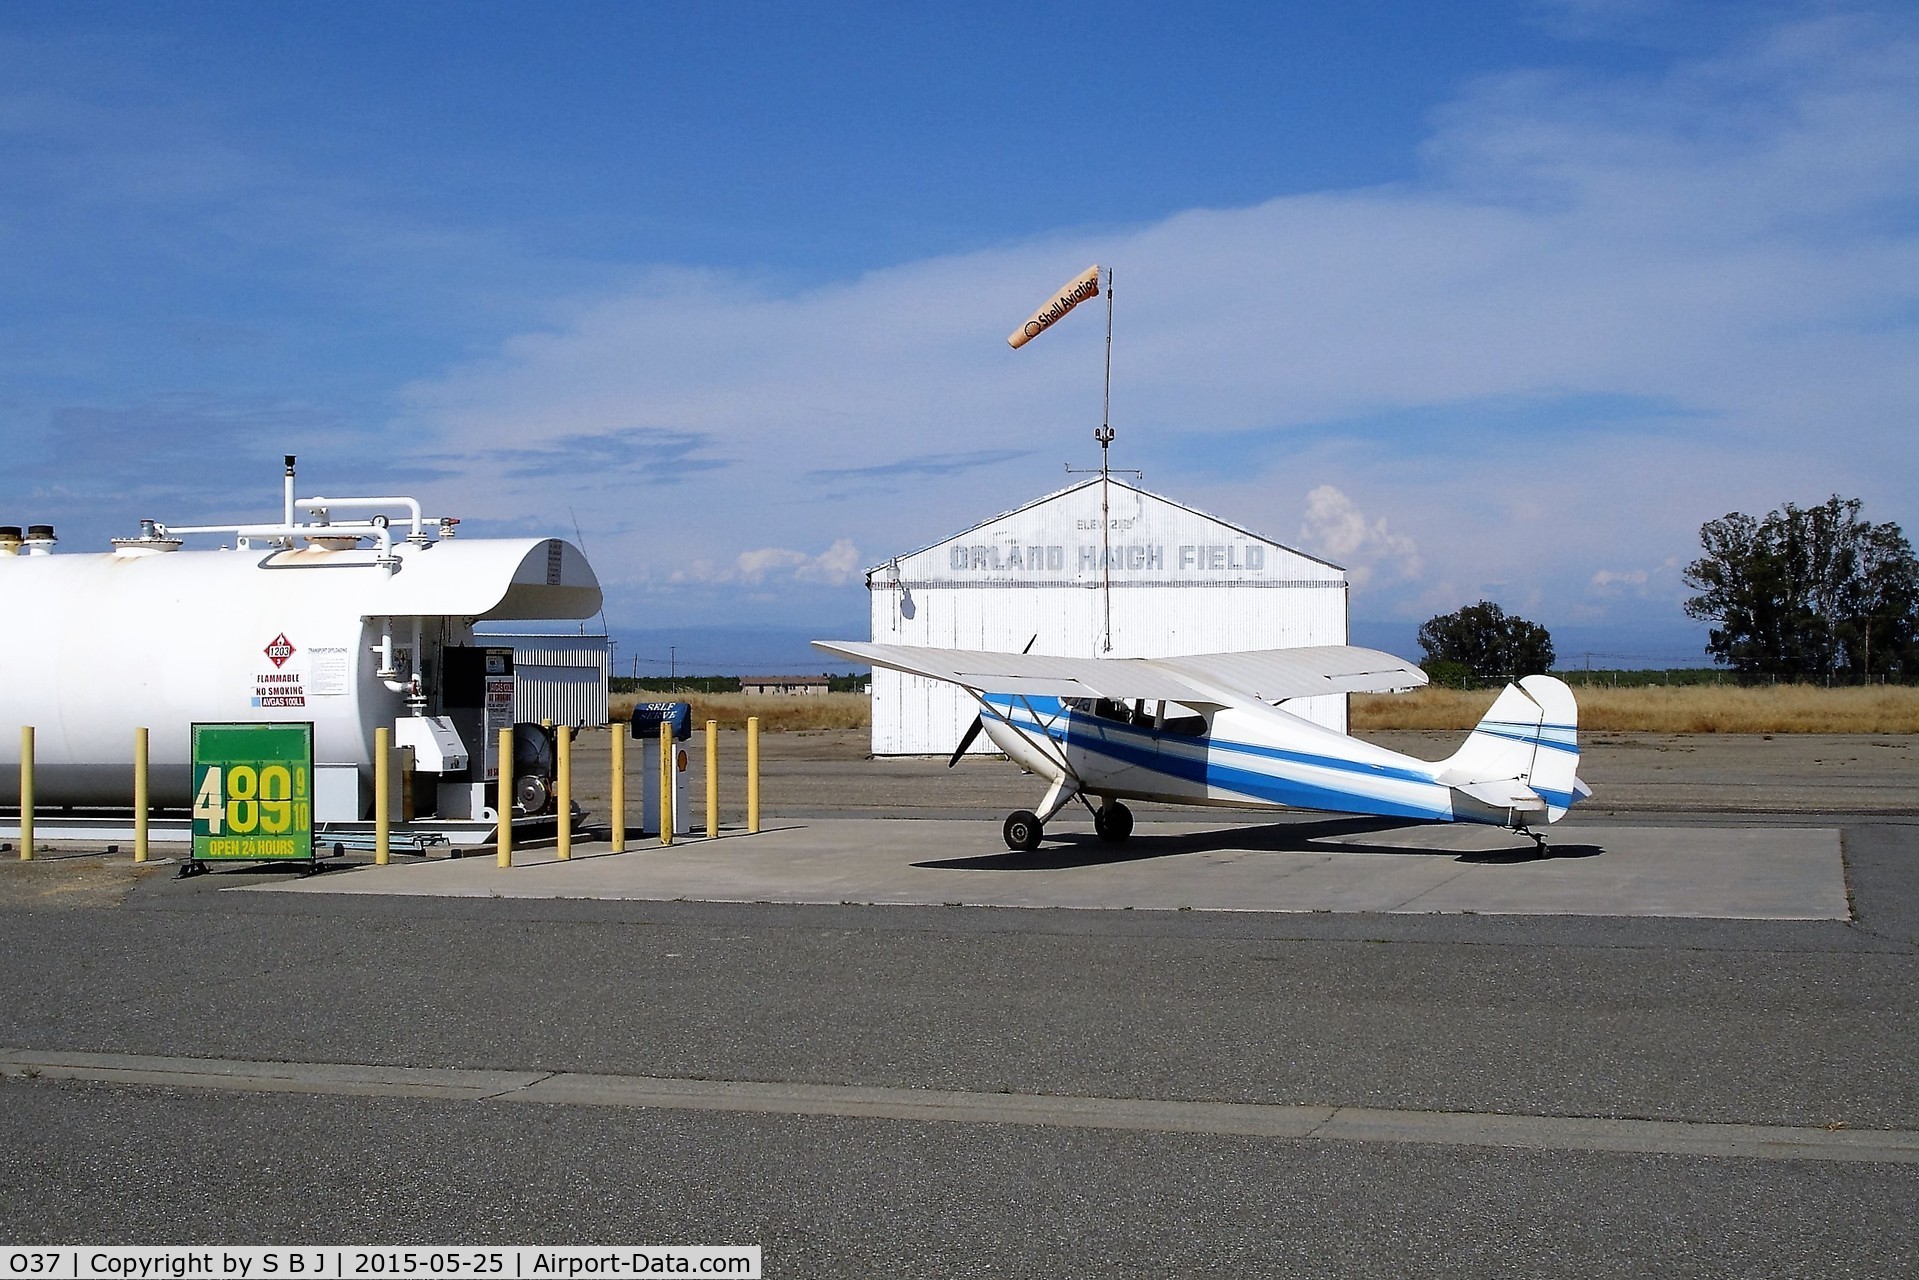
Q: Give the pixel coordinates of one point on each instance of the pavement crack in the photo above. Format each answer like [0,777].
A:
[521,1087]
[1320,1127]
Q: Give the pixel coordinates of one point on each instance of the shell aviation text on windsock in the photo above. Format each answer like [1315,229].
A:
[1082,286]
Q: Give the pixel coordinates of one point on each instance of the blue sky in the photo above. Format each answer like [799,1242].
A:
[1495,300]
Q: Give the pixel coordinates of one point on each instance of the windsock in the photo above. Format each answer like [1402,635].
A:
[1082,286]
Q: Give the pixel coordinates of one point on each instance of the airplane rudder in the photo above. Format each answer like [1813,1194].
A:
[1555,771]
[1555,697]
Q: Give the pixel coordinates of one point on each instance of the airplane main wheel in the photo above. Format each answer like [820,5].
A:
[1023,831]
[1113,821]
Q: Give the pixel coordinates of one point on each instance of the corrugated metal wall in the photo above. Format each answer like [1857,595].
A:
[1181,582]
[558,678]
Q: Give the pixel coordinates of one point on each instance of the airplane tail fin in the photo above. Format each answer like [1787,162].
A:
[1521,764]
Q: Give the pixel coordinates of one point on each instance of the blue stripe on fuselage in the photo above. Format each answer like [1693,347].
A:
[1158,752]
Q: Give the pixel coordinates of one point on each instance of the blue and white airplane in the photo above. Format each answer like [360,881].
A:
[1209,729]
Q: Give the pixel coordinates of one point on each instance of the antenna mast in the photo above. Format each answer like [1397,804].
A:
[1105,437]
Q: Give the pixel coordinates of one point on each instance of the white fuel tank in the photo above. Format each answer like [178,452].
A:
[93,646]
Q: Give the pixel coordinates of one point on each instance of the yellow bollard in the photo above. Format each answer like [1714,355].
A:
[26,793]
[382,796]
[563,744]
[712,779]
[140,794]
[752,773]
[666,782]
[503,799]
[619,786]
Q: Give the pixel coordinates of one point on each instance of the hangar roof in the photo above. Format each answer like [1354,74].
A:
[1062,495]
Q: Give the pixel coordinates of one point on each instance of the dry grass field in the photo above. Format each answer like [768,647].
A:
[1658,709]
[776,713]
[1695,709]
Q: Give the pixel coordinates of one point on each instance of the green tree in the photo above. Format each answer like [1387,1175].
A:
[1808,592]
[1486,641]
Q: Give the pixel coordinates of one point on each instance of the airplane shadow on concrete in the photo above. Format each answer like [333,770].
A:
[1071,849]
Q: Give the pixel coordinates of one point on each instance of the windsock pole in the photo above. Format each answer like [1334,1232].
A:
[1077,290]
[1105,437]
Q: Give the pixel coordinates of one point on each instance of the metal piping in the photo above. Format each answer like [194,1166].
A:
[388,672]
[371,528]
[416,686]
[411,504]
[289,528]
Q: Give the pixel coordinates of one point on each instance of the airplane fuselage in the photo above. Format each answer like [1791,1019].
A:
[1243,756]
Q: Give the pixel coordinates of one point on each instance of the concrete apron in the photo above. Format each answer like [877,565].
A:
[1339,865]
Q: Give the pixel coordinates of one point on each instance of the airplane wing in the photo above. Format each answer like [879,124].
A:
[1273,675]
[1197,680]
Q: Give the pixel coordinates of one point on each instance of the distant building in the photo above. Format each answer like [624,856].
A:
[786,686]
[1145,578]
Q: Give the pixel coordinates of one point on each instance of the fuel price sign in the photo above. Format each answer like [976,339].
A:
[253,791]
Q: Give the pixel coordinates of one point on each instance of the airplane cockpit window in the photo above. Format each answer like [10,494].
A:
[1104,708]
[1144,715]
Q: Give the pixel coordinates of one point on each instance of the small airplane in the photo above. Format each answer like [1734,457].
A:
[1207,730]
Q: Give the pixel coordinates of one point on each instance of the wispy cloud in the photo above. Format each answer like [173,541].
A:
[930,466]
[651,455]
[176,457]
[838,565]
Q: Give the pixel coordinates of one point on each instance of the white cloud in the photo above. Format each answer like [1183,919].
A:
[838,565]
[1336,528]
[1626,577]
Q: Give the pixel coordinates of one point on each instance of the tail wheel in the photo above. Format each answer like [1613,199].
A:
[1113,821]
[1023,831]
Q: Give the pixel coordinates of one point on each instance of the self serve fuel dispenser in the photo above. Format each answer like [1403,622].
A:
[647,719]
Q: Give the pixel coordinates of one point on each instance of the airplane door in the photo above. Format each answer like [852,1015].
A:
[1111,746]
[1181,742]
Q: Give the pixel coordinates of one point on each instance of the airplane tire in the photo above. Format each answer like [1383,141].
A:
[1113,822]
[1023,831]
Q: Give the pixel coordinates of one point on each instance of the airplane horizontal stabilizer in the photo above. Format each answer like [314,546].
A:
[1502,794]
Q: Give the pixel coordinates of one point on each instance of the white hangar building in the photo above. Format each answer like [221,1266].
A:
[1161,579]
